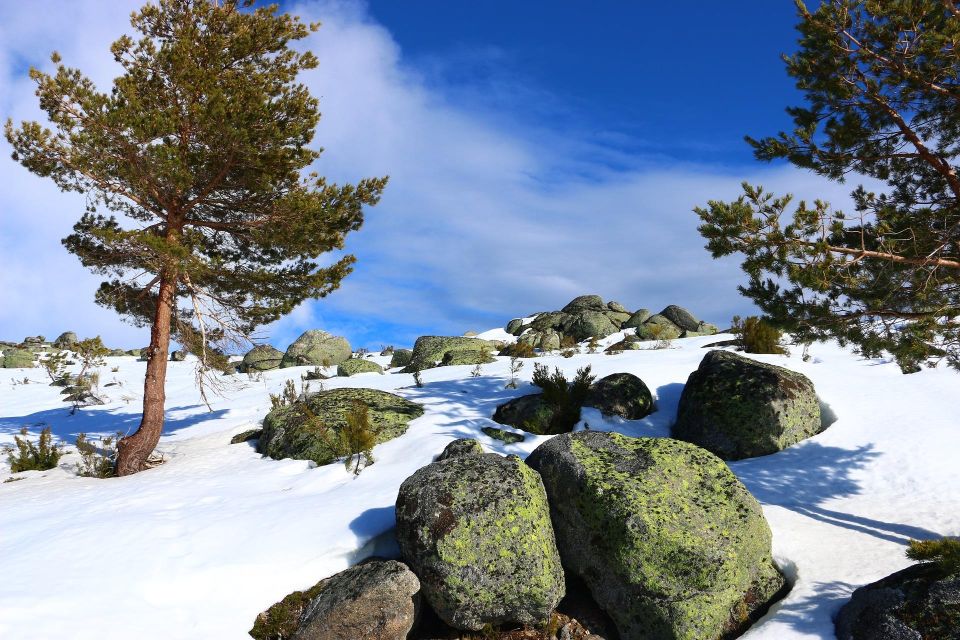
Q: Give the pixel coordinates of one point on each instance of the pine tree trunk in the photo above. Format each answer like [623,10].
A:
[133,450]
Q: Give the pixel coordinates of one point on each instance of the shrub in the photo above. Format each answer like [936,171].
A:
[477,371]
[358,437]
[519,350]
[28,456]
[55,364]
[91,353]
[417,379]
[944,552]
[592,345]
[754,335]
[565,398]
[97,461]
[515,367]
[568,342]
[285,398]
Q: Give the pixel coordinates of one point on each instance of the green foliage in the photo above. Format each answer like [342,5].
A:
[281,620]
[519,350]
[55,364]
[358,437]
[287,397]
[565,398]
[91,353]
[515,366]
[97,459]
[882,100]
[756,336]
[418,379]
[30,456]
[944,552]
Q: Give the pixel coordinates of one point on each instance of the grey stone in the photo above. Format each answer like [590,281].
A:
[317,348]
[429,351]
[461,447]
[584,303]
[638,318]
[681,317]
[262,357]
[621,394]
[353,366]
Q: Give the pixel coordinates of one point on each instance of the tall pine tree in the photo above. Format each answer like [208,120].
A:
[882,83]
[200,148]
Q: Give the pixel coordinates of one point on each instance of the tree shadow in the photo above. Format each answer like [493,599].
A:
[813,613]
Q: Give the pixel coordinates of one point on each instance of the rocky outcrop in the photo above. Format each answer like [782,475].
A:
[740,408]
[316,348]
[353,366]
[430,351]
[476,530]
[262,357]
[309,429]
[374,600]
[919,602]
[669,542]
[66,340]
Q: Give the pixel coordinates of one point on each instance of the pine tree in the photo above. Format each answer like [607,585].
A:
[200,147]
[882,100]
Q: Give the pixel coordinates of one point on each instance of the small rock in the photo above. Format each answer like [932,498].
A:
[246,436]
[461,447]
[507,437]
[353,366]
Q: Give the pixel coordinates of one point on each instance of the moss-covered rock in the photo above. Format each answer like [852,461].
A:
[310,428]
[467,356]
[551,321]
[680,317]
[584,303]
[178,355]
[621,394]
[461,447]
[740,408]
[246,436]
[613,305]
[592,324]
[401,358]
[476,530]
[429,351]
[668,540]
[514,327]
[374,600]
[14,358]
[316,348]
[507,437]
[66,340]
[353,366]
[658,327]
[262,357]
[919,602]
[529,412]
[636,319]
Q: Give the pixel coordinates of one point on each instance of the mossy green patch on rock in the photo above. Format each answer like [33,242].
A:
[401,358]
[430,351]
[309,429]
[14,358]
[467,356]
[476,530]
[669,541]
[507,437]
[354,366]
[737,407]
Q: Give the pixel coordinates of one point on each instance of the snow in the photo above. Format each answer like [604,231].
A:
[196,547]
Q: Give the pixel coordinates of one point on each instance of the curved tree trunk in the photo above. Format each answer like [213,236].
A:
[133,450]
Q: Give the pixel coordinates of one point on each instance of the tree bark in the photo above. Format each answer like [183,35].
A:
[133,450]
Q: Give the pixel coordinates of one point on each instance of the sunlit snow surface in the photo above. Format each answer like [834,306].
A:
[197,547]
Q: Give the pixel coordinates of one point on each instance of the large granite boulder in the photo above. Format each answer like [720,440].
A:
[740,408]
[547,340]
[585,303]
[317,348]
[658,327]
[681,317]
[400,358]
[514,327]
[353,366]
[592,324]
[374,600]
[636,319]
[476,530]
[530,413]
[14,358]
[621,394]
[669,542]
[467,356]
[262,357]
[551,320]
[917,603]
[309,429]
[429,351]
[461,447]
[66,340]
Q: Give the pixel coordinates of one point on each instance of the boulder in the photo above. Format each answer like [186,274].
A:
[467,356]
[528,412]
[246,436]
[658,327]
[316,348]
[14,358]
[616,306]
[179,355]
[309,429]
[506,437]
[637,319]
[617,317]
[740,408]
[591,324]
[374,600]
[35,341]
[476,530]
[669,542]
[66,340]
[514,327]
[680,317]
[629,342]
[547,340]
[133,352]
[551,320]
[461,447]
[621,394]
[400,358]
[584,303]
[354,366]
[919,602]
[262,357]
[429,351]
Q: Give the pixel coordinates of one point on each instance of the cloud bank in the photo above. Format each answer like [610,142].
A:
[493,210]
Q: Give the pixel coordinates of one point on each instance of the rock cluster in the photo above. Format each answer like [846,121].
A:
[436,351]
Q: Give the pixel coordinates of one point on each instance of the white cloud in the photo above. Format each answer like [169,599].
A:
[488,214]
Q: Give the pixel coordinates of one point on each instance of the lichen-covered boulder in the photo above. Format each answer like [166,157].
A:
[621,394]
[658,327]
[592,324]
[514,327]
[14,358]
[551,320]
[504,436]
[476,530]
[429,351]
[461,447]
[316,348]
[629,342]
[919,602]
[636,319]
[680,317]
[584,303]
[547,340]
[178,355]
[617,317]
[467,356]
[528,412]
[740,408]
[616,306]
[400,358]
[309,429]
[262,357]
[374,600]
[66,340]
[353,366]
[670,543]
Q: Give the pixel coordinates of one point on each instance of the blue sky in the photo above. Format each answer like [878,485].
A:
[536,151]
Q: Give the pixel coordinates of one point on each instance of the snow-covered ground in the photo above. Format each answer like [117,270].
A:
[196,547]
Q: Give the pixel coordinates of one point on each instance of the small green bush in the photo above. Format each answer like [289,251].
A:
[754,335]
[97,460]
[566,398]
[944,552]
[358,437]
[28,456]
